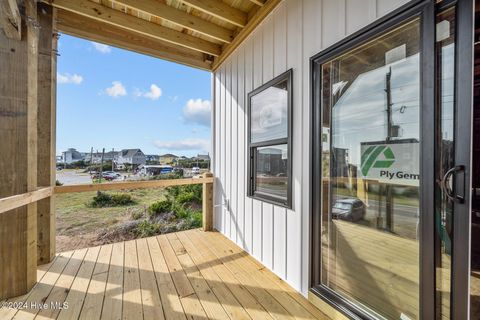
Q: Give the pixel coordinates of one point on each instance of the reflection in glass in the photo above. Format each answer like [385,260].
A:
[370,174]
[269,118]
[271,176]
[445,157]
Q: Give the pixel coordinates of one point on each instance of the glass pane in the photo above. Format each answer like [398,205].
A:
[445,158]
[271,177]
[269,116]
[370,174]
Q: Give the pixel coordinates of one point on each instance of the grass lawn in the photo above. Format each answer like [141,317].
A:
[78,224]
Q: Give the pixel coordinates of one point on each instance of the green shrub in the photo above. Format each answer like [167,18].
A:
[168,176]
[160,207]
[147,229]
[185,194]
[103,199]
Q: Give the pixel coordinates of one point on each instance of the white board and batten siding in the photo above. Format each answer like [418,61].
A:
[287,38]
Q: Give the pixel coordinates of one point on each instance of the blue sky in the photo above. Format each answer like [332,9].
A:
[112,98]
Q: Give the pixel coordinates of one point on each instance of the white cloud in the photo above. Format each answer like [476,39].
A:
[154,93]
[198,111]
[116,90]
[69,78]
[102,48]
[184,145]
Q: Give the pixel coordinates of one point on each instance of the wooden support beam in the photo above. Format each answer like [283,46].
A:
[47,72]
[261,14]
[83,27]
[18,118]
[260,3]
[180,18]
[128,22]
[20,200]
[130,185]
[10,19]
[220,10]
[207,203]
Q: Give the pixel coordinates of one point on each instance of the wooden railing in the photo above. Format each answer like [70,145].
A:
[17,201]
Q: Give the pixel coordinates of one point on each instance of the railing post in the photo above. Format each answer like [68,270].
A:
[207,203]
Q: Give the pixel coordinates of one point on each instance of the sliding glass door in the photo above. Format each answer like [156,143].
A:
[389,175]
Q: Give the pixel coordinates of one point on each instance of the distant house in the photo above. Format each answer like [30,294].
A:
[71,156]
[152,158]
[168,158]
[134,157]
[202,157]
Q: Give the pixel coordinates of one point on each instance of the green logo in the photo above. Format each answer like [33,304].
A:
[370,158]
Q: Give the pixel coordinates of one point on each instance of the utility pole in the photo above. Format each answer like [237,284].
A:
[388,186]
[113,156]
[101,165]
[91,160]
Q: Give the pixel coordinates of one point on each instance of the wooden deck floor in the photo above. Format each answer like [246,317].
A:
[185,275]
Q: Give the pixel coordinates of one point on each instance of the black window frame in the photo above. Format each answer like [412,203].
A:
[252,147]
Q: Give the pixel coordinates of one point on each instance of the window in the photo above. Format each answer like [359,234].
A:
[269,141]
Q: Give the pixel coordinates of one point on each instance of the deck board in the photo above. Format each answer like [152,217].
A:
[184,275]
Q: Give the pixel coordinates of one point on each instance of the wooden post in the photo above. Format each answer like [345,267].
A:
[18,147]
[47,72]
[207,204]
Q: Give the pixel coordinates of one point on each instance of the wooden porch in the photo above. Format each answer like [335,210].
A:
[185,275]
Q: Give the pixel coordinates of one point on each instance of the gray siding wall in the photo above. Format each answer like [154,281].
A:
[287,38]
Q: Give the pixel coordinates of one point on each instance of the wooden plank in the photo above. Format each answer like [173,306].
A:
[84,27]
[92,307]
[76,294]
[113,301]
[260,3]
[62,286]
[239,265]
[10,19]
[132,296]
[245,32]
[207,204]
[43,288]
[17,201]
[180,18]
[172,306]
[220,10]
[47,72]
[134,24]
[208,300]
[237,301]
[266,279]
[130,185]
[151,303]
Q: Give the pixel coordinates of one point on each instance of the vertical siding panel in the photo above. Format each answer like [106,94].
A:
[242,147]
[257,81]
[268,218]
[294,224]
[355,21]
[217,173]
[312,44]
[247,88]
[235,177]
[385,6]
[333,21]
[228,147]
[222,149]
[280,214]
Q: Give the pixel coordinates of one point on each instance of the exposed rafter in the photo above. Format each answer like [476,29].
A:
[261,13]
[128,22]
[10,19]
[180,18]
[220,10]
[258,2]
[83,27]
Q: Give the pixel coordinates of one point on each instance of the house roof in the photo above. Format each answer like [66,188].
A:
[127,153]
[168,155]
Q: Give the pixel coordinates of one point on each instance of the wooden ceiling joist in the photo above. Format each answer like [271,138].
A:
[10,19]
[128,22]
[220,10]
[258,2]
[94,30]
[180,18]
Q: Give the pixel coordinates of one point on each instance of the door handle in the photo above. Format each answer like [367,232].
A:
[446,184]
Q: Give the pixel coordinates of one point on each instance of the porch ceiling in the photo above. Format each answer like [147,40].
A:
[198,33]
